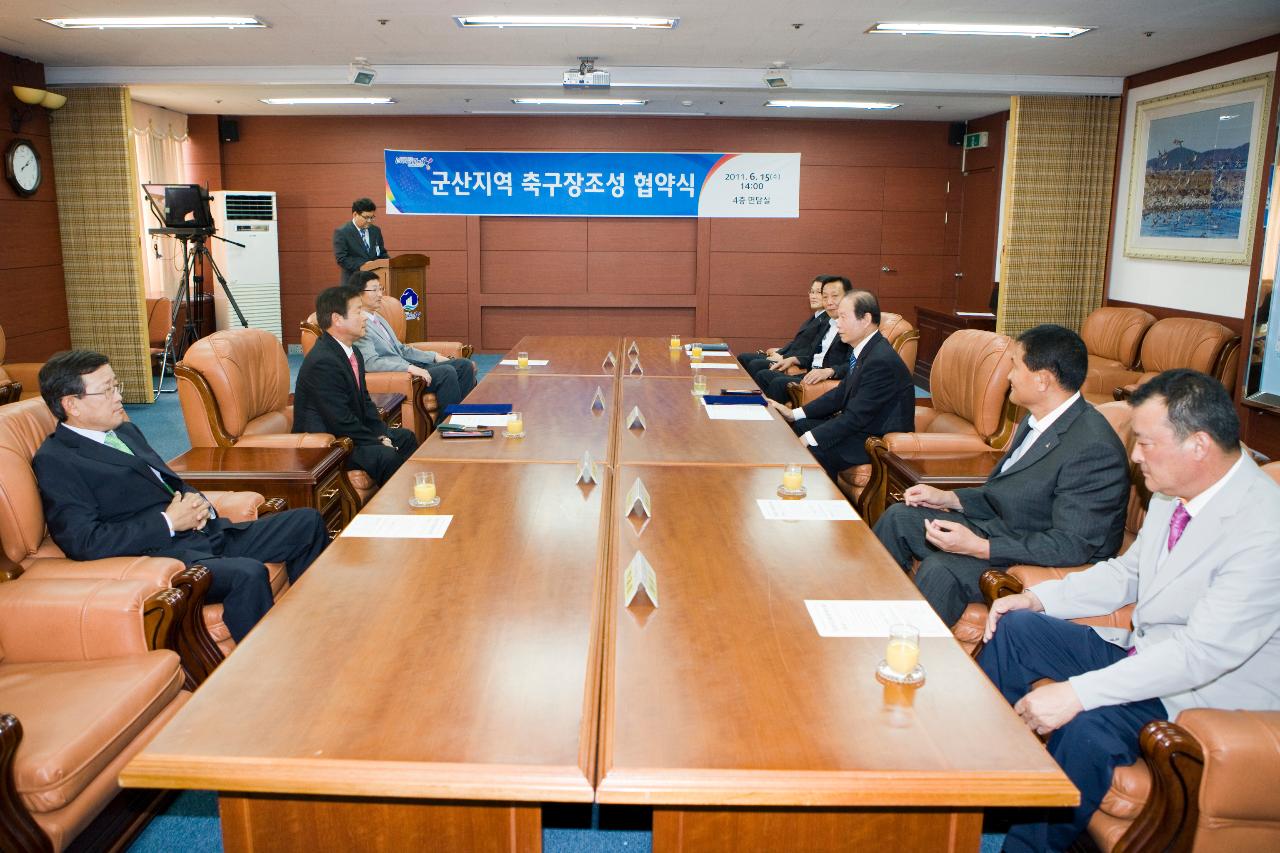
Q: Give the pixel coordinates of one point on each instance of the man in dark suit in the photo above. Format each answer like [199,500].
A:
[359,241]
[1057,498]
[106,493]
[875,396]
[828,358]
[801,344]
[331,395]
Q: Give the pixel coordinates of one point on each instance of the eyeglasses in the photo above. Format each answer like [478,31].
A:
[375,289]
[114,388]
[367,217]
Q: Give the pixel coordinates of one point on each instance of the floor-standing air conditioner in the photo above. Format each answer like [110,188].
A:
[252,272]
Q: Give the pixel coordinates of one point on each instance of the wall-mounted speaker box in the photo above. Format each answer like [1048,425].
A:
[955,133]
[229,129]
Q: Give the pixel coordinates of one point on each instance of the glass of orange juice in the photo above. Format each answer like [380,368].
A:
[515,425]
[792,482]
[424,490]
[901,664]
[695,352]
[675,342]
[522,361]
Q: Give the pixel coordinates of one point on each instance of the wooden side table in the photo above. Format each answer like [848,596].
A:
[935,327]
[389,408]
[944,470]
[302,476]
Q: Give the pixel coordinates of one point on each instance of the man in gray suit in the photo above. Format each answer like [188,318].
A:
[1057,498]
[450,379]
[1204,574]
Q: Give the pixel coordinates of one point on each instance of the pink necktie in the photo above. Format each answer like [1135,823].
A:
[354,369]
[1177,524]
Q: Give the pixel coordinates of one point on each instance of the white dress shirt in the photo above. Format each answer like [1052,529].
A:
[827,340]
[1036,429]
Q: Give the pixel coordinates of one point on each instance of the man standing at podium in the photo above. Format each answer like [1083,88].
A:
[359,241]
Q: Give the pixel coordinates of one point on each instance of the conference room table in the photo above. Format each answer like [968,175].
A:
[583,355]
[419,693]
[658,360]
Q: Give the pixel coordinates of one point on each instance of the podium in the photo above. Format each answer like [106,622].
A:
[401,273]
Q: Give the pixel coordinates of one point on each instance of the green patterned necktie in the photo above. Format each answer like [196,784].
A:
[113,441]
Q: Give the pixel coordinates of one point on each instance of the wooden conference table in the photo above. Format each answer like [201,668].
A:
[431,694]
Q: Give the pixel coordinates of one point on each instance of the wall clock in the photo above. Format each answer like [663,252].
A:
[22,167]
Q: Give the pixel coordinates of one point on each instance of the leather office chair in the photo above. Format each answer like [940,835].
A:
[1113,336]
[234,389]
[85,683]
[1202,345]
[393,311]
[28,552]
[24,374]
[970,412]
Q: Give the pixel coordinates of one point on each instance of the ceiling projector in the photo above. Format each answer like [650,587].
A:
[586,75]
[361,73]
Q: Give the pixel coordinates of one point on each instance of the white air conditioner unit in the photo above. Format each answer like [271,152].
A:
[252,273]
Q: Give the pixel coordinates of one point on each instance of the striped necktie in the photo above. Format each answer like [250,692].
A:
[364,235]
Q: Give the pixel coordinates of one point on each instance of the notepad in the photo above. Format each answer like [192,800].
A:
[738,413]
[397,526]
[702,365]
[533,362]
[806,510]
[873,618]
[478,420]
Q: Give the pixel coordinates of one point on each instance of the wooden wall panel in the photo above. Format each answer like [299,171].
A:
[642,272]
[869,189]
[33,302]
[755,316]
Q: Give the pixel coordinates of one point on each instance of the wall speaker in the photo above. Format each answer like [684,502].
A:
[955,133]
[229,129]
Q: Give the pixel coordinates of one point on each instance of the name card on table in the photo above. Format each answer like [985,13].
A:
[588,471]
[634,349]
[365,526]
[806,510]
[636,419]
[638,502]
[597,401]
[609,361]
[635,368]
[639,579]
[533,362]
[873,618]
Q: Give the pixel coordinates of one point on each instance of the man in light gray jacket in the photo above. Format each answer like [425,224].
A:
[1204,574]
[450,379]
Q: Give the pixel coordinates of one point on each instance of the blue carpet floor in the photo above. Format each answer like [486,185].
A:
[190,824]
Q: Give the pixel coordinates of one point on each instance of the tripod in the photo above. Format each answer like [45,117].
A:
[193,249]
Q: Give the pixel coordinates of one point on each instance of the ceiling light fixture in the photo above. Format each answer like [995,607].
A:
[224,22]
[608,21]
[292,102]
[581,102]
[834,105]
[1025,30]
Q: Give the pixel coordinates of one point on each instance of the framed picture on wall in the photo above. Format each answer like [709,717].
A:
[1194,172]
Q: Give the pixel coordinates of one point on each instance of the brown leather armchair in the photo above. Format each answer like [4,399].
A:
[1201,345]
[159,311]
[25,374]
[85,682]
[970,412]
[1113,335]
[27,551]
[234,389]
[394,312]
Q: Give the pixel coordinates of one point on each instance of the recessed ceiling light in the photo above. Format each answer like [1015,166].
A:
[1025,30]
[582,102]
[225,22]
[609,21]
[834,105]
[289,102]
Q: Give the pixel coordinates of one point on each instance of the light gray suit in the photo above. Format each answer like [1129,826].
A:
[1207,621]
[383,352]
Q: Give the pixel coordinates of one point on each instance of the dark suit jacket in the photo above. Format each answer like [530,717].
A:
[327,399]
[876,398]
[806,341]
[349,251]
[101,502]
[1063,503]
[836,357]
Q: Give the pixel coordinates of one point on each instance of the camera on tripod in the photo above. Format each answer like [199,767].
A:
[182,209]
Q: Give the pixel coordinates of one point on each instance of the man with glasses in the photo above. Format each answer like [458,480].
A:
[107,493]
[449,379]
[359,241]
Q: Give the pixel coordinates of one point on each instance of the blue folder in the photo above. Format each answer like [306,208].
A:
[711,347]
[478,409]
[732,400]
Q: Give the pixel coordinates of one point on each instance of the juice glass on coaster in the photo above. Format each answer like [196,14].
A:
[522,361]
[515,426]
[901,664]
[792,482]
[699,384]
[424,490]
[675,342]
[695,352]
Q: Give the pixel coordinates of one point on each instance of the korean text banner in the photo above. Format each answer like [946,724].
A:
[580,183]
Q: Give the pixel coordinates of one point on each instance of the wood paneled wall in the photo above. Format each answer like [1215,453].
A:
[874,194]
[33,302]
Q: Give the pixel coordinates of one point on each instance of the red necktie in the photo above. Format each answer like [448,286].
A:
[355,370]
[1177,524]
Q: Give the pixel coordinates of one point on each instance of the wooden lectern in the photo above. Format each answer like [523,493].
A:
[406,272]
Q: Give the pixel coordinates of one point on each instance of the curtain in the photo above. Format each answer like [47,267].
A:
[1057,214]
[158,136]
